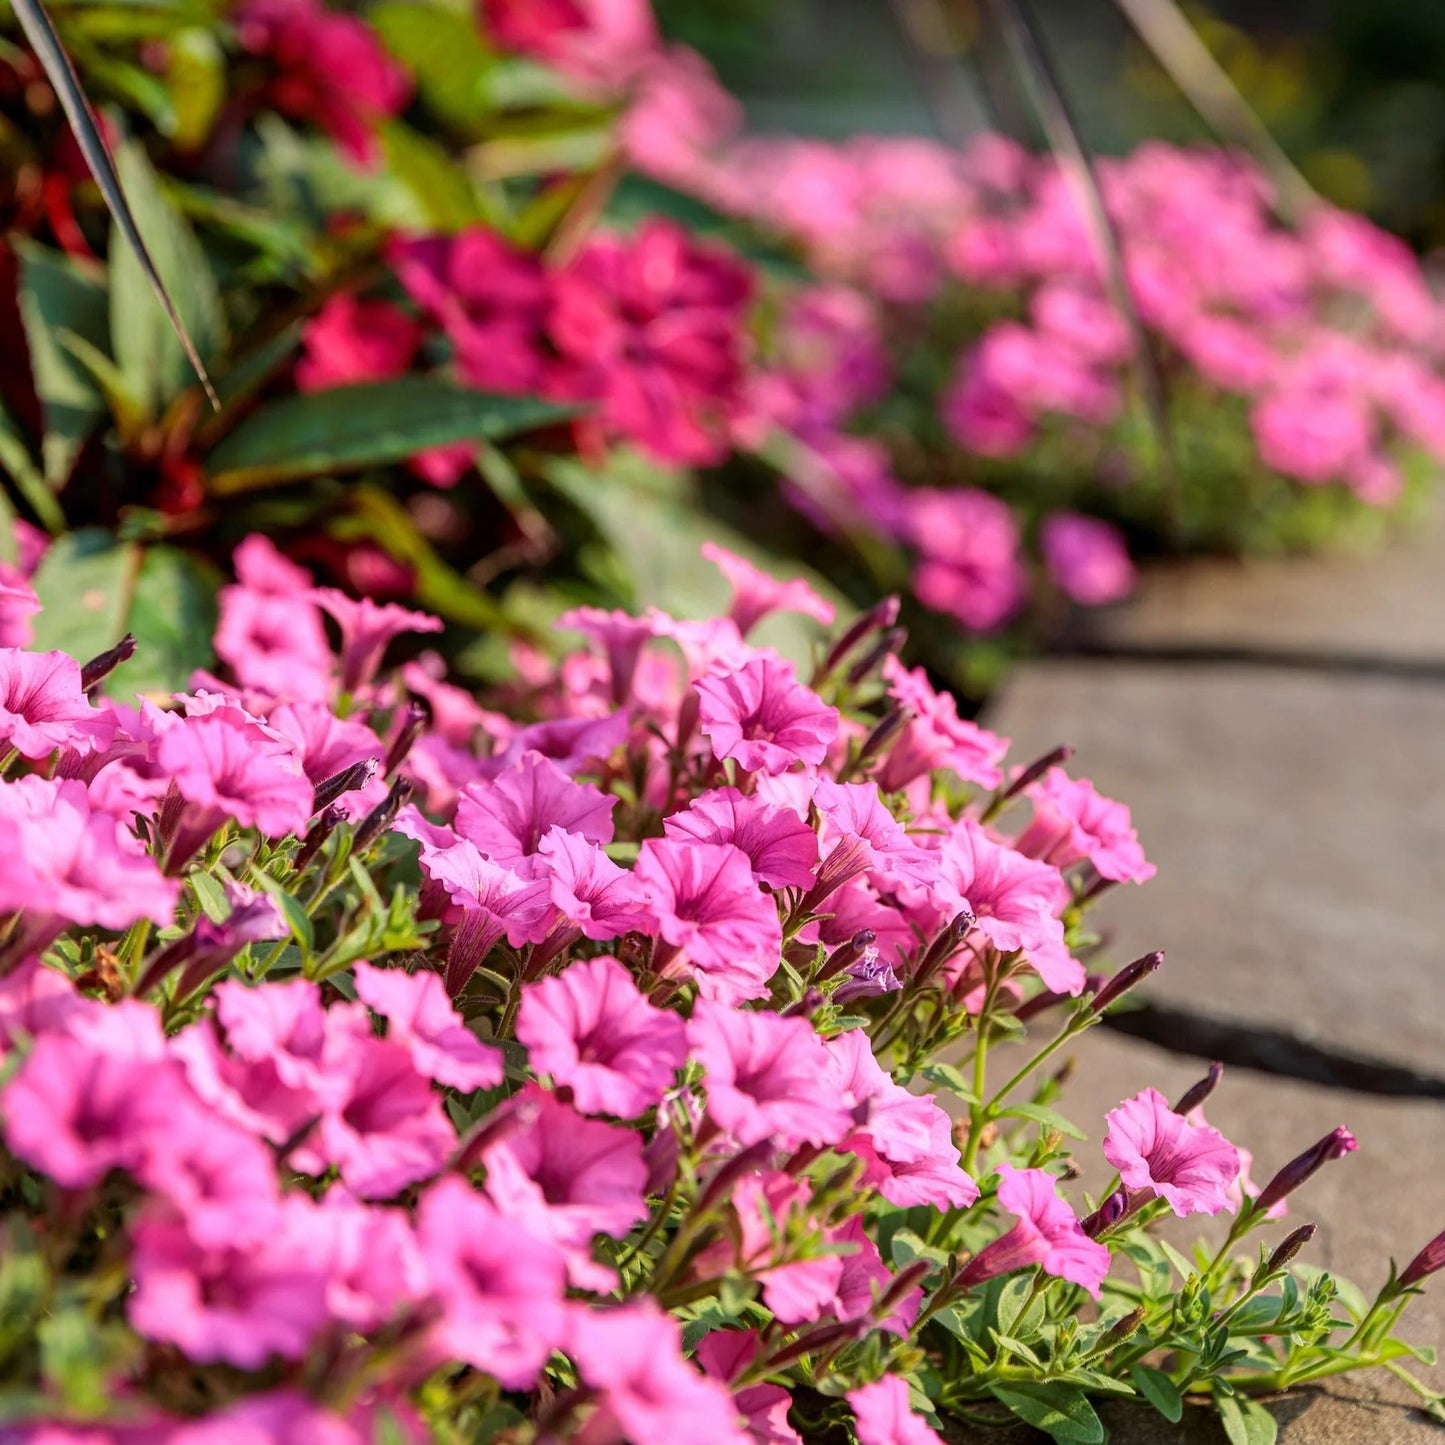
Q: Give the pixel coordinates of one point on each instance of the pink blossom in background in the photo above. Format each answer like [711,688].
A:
[983,416]
[968,548]
[330,68]
[1087,558]
[1314,437]
[366,629]
[935,736]
[351,341]
[599,41]
[764,718]
[594,1033]
[756,593]
[280,1417]
[882,1415]
[678,113]
[1190,1165]
[1047,1234]
[1074,821]
[18,604]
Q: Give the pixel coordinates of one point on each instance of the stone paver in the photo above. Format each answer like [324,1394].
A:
[1388,605]
[1298,822]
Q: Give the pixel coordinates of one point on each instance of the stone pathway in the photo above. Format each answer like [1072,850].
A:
[1279,733]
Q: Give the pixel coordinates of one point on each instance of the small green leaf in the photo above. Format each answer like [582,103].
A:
[442,192]
[291,909]
[1060,1411]
[946,1076]
[1047,1118]
[1160,1391]
[210,895]
[371,425]
[1245,1421]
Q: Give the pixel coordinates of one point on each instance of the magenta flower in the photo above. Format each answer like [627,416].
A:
[1190,1165]
[782,849]
[373,1262]
[766,1077]
[866,1279]
[593,1031]
[1088,558]
[595,896]
[508,817]
[1012,898]
[350,341]
[969,566]
[42,707]
[499,1287]
[869,839]
[762,716]
[1073,821]
[713,914]
[756,594]
[18,604]
[883,1416]
[330,69]
[598,41]
[935,736]
[726,1355]
[268,634]
[420,1018]
[1047,1234]
[566,1178]
[366,629]
[277,1417]
[621,636]
[650,1395]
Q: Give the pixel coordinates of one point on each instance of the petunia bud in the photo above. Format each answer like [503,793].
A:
[1121,1330]
[883,732]
[1111,1212]
[1290,1246]
[329,821]
[1335,1145]
[882,615]
[886,646]
[380,818]
[1124,980]
[413,720]
[348,780]
[1036,770]
[99,668]
[848,953]
[1192,1098]
[1427,1262]
[868,977]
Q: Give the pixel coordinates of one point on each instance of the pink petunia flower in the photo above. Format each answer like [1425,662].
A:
[599,41]
[1046,1234]
[865,838]
[762,716]
[726,1355]
[277,1417]
[366,629]
[935,736]
[1190,1165]
[42,707]
[782,849]
[499,1288]
[1087,557]
[508,817]
[1073,821]
[882,1415]
[708,908]
[969,566]
[350,341]
[766,1077]
[756,594]
[592,1030]
[596,897]
[1013,898]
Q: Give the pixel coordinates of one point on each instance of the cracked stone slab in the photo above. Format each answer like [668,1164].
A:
[1388,604]
[1383,1200]
[1298,823]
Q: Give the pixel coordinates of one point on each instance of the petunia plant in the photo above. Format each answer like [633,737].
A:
[663,1046]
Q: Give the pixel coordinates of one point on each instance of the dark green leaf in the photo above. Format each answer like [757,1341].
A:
[61,74]
[443,48]
[84,582]
[372,425]
[15,459]
[173,616]
[1061,1411]
[1159,1390]
[210,895]
[1245,1421]
[1047,1118]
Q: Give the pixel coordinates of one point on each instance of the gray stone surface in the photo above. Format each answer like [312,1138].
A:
[1298,822]
[1385,605]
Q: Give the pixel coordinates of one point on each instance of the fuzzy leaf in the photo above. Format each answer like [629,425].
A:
[1160,1391]
[1060,1411]
[1245,1421]
[1046,1118]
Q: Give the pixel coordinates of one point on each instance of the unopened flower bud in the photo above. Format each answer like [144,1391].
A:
[1335,1145]
[883,732]
[414,719]
[348,780]
[380,818]
[99,668]
[1427,1262]
[868,977]
[1121,1330]
[1290,1246]
[1036,770]
[882,615]
[1112,1211]
[848,953]
[886,646]
[329,821]
[805,1007]
[1192,1098]
[904,1283]
[1124,980]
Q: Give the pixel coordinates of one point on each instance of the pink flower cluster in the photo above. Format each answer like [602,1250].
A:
[634,1042]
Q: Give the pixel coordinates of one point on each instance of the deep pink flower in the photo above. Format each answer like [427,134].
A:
[36,999]
[42,707]
[866,1279]
[1047,1234]
[330,69]
[935,736]
[499,1287]
[1012,898]
[1190,1165]
[420,1018]
[508,817]
[652,327]
[864,837]
[566,1178]
[968,544]
[1314,436]
[983,416]
[883,1416]
[1087,558]
[708,907]
[762,716]
[278,1417]
[592,1030]
[756,593]
[650,1395]
[601,41]
[373,1263]
[594,895]
[782,849]
[268,634]
[350,341]
[1073,821]
[366,628]
[766,1077]
[728,1354]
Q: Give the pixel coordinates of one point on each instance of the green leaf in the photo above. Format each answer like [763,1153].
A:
[371,425]
[1245,1421]
[1160,1391]
[15,459]
[291,909]
[443,194]
[443,47]
[946,1076]
[125,406]
[1061,1411]
[196,80]
[148,349]
[173,616]
[58,295]
[84,584]
[210,895]
[1047,1118]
